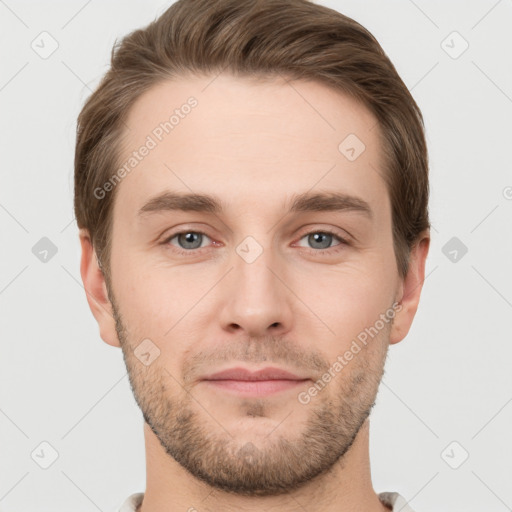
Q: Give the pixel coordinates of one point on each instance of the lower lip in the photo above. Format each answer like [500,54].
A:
[255,387]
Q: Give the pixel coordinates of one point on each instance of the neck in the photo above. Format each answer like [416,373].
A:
[345,487]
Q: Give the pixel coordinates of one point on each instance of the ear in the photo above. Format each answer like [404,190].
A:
[410,289]
[96,291]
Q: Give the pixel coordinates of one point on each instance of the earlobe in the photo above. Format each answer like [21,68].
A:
[96,291]
[410,289]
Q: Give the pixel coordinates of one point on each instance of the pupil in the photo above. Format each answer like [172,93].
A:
[190,238]
[319,237]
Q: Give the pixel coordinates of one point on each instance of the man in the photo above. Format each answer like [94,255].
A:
[251,188]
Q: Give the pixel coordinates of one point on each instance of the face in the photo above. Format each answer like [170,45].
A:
[287,264]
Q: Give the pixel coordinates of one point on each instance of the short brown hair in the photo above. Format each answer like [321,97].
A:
[293,38]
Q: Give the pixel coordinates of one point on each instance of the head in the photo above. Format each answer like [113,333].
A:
[251,188]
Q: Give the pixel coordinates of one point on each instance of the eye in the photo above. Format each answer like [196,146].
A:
[187,240]
[321,240]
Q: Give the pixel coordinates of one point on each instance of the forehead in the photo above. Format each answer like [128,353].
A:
[242,138]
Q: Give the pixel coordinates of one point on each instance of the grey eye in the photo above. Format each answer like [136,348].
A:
[319,240]
[189,239]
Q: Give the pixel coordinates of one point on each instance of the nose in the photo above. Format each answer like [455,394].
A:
[258,297]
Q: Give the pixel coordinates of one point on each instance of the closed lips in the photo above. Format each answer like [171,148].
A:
[244,374]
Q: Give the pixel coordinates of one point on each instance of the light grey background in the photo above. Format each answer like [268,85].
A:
[449,380]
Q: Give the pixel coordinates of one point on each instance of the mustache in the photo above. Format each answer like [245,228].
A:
[273,351]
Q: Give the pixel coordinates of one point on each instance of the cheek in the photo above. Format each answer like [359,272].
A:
[157,302]
[349,300]
[142,299]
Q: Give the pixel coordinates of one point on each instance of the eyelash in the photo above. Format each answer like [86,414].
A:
[329,251]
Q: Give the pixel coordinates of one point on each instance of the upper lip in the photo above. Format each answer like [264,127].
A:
[239,373]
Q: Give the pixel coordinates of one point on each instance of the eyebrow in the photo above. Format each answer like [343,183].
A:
[305,202]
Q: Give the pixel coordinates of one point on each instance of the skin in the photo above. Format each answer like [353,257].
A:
[298,306]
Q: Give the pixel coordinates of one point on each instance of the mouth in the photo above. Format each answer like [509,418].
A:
[263,382]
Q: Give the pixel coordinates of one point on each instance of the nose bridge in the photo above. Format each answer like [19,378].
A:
[252,264]
[257,298]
